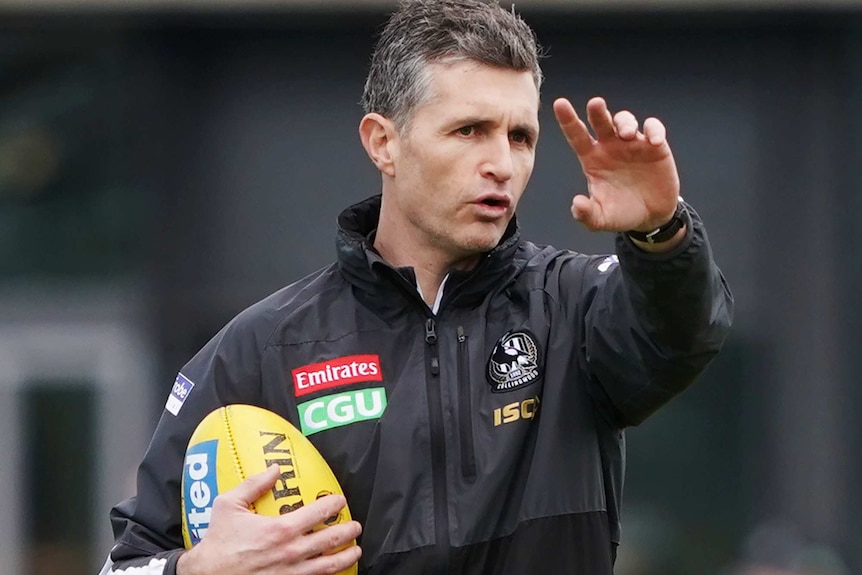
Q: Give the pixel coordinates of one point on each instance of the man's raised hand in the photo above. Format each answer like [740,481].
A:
[631,174]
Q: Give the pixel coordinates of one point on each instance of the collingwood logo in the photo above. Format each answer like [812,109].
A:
[514,362]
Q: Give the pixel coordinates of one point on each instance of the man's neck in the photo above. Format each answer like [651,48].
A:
[429,265]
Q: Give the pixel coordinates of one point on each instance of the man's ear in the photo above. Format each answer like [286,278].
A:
[379,138]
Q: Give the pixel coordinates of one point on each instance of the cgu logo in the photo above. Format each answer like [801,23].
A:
[341,409]
[200,487]
[516,410]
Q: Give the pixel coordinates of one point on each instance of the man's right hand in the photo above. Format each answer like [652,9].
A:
[239,541]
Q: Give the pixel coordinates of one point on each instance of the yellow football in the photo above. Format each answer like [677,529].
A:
[236,441]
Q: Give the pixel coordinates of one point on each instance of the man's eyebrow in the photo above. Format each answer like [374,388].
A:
[470,120]
[529,129]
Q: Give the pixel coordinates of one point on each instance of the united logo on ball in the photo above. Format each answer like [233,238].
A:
[237,441]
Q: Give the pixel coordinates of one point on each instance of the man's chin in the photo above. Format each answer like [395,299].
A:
[480,244]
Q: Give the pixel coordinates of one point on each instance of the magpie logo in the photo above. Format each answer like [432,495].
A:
[514,362]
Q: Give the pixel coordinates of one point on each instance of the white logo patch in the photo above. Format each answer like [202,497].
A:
[182,388]
[608,263]
[154,567]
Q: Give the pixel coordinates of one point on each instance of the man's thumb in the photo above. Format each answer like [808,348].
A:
[254,486]
[584,211]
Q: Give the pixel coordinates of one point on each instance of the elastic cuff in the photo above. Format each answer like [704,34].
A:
[624,240]
[171,565]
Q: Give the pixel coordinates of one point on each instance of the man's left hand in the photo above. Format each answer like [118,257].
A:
[631,174]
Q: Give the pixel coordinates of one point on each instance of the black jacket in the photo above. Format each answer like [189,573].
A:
[487,438]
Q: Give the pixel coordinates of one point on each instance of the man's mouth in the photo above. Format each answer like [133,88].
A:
[495,201]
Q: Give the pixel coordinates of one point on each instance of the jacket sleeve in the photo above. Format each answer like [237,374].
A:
[147,527]
[652,323]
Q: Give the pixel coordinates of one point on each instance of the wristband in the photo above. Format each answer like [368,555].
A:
[662,233]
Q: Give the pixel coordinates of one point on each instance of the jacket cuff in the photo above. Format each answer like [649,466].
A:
[625,244]
[694,246]
[171,565]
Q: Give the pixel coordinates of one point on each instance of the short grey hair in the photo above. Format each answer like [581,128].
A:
[424,32]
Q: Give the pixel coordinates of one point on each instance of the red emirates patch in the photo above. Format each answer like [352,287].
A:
[335,373]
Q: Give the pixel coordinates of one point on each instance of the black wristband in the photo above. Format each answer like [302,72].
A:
[662,233]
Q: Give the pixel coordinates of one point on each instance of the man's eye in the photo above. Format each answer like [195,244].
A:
[466,130]
[520,138]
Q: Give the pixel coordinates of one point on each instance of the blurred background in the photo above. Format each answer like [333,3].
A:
[164,164]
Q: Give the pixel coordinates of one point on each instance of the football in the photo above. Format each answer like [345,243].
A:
[236,441]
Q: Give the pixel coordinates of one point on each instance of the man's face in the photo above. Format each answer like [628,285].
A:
[466,157]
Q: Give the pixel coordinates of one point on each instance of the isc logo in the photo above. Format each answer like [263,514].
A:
[517,410]
[201,487]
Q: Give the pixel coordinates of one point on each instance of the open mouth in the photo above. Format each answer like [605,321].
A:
[494,201]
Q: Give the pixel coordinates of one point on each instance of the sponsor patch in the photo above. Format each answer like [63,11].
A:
[516,411]
[608,263]
[200,487]
[181,390]
[341,409]
[335,373]
[514,362]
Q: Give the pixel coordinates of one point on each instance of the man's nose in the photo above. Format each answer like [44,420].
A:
[498,162]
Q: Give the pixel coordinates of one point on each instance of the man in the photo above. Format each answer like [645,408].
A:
[502,372]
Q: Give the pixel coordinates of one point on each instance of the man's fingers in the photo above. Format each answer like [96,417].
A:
[252,488]
[626,125]
[600,119]
[328,539]
[309,516]
[321,551]
[334,563]
[573,128]
[655,132]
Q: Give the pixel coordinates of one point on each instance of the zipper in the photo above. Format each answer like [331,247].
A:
[468,454]
[438,450]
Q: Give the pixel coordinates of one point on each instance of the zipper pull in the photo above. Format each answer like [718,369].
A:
[431,339]
[461,337]
[430,331]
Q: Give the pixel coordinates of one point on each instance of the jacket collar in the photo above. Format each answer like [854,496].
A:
[377,281]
